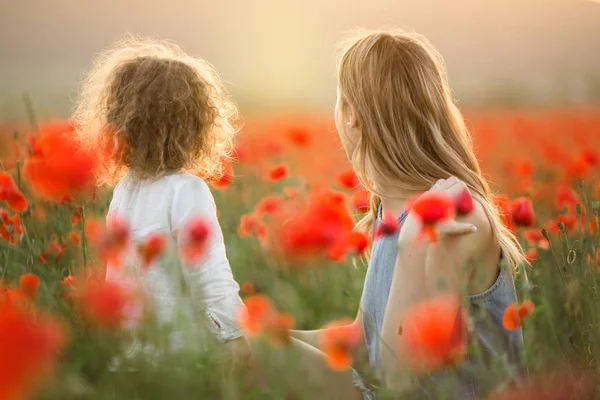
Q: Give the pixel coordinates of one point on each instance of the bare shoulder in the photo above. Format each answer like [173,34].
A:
[474,244]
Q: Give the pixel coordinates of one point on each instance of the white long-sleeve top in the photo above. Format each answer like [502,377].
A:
[165,205]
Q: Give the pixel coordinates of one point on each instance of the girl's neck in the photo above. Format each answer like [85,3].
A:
[394,202]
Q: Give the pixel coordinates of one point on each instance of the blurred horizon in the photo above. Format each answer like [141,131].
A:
[279,56]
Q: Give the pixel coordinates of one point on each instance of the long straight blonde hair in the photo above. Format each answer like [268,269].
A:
[411,132]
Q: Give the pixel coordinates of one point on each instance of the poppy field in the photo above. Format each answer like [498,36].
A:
[287,205]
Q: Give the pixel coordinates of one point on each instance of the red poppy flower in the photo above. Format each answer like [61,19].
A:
[348,179]
[250,225]
[503,205]
[535,238]
[323,224]
[300,137]
[30,344]
[532,255]
[68,285]
[269,205]
[355,245]
[11,229]
[224,181]
[74,238]
[10,193]
[68,281]
[515,314]
[195,237]
[431,208]
[464,203]
[278,328]
[590,157]
[77,215]
[566,197]
[103,303]
[254,318]
[525,169]
[248,288]
[29,284]
[291,193]
[58,166]
[278,172]
[388,226]
[521,212]
[338,340]
[361,200]
[432,333]
[261,317]
[111,242]
[54,250]
[151,250]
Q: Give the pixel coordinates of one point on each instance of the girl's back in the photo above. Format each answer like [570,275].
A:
[164,206]
[158,118]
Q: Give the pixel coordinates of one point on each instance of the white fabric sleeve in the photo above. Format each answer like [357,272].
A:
[211,283]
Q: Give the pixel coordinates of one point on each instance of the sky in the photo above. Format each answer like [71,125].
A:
[280,55]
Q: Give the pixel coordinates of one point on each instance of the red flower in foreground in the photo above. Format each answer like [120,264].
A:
[521,212]
[348,179]
[279,327]
[278,172]
[29,284]
[515,314]
[258,309]
[151,250]
[355,245]
[30,344]
[113,241]
[361,200]
[431,208]
[338,340]
[194,240]
[103,303]
[388,226]
[58,166]
[10,193]
[260,316]
[432,333]
[464,203]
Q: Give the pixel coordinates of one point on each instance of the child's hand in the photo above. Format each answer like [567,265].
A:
[240,352]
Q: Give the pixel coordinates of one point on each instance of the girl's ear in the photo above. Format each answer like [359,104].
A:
[352,121]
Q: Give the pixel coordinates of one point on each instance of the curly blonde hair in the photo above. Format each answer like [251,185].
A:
[149,108]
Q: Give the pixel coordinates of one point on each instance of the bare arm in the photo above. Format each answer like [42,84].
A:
[424,270]
[313,338]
